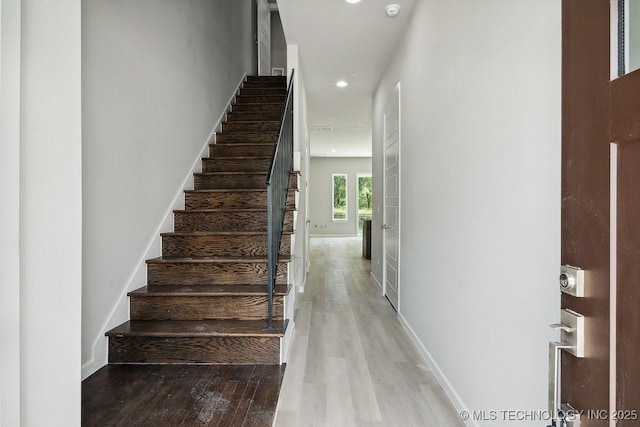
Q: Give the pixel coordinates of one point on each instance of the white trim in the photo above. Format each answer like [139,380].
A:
[286,341]
[453,396]
[613,278]
[375,280]
[99,344]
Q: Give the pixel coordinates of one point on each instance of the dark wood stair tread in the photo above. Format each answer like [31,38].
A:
[219,233]
[232,190]
[238,158]
[244,122]
[225,190]
[197,328]
[223,210]
[231,173]
[214,260]
[243,144]
[207,290]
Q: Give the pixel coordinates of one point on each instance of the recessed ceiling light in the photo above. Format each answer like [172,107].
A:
[342,83]
[392,10]
[333,151]
[353,1]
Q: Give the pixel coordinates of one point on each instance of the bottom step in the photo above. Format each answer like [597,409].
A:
[208,342]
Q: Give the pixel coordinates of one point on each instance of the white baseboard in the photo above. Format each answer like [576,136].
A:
[375,279]
[151,251]
[437,372]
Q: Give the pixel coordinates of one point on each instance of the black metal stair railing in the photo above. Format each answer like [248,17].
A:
[277,190]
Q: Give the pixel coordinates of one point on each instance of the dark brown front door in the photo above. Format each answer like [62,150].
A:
[601,217]
[625,137]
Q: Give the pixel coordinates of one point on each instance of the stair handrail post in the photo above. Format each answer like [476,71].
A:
[278,178]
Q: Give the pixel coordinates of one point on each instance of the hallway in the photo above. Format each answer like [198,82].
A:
[351,363]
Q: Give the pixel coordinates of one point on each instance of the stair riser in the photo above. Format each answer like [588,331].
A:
[247,90]
[257,99]
[220,245]
[212,182]
[232,200]
[243,181]
[273,126]
[224,221]
[223,164]
[201,307]
[263,137]
[282,80]
[258,107]
[232,150]
[264,85]
[209,350]
[281,84]
[193,274]
[253,116]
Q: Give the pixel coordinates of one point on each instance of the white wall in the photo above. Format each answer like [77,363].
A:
[157,75]
[480,239]
[10,213]
[50,213]
[633,42]
[298,270]
[320,193]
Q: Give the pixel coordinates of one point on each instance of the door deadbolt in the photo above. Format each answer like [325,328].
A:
[572,280]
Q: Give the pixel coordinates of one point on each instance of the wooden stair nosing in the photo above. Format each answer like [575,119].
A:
[242,144]
[219,233]
[227,190]
[196,328]
[237,158]
[229,210]
[151,291]
[215,260]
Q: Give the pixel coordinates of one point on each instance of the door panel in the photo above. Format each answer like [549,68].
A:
[391,210]
[585,194]
[628,280]
[625,131]
[600,215]
[264,38]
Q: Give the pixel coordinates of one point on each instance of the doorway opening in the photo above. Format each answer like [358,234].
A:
[365,197]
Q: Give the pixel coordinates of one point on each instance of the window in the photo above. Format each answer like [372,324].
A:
[339,197]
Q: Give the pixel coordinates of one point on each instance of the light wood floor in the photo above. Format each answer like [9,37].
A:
[351,363]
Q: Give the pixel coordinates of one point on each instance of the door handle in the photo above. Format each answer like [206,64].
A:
[384,226]
[566,414]
[562,327]
[572,341]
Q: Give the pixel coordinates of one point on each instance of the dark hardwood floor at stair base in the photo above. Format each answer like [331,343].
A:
[163,395]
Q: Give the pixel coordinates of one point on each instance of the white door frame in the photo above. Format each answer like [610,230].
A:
[396,89]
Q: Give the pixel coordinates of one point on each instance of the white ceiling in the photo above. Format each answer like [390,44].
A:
[341,41]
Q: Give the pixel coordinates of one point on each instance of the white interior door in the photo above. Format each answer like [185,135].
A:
[264,38]
[391,210]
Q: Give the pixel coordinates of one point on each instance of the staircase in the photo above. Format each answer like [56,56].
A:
[206,297]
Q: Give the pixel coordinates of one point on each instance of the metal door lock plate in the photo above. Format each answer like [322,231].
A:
[571,331]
